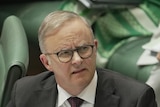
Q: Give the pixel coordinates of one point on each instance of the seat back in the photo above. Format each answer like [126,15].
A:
[14,56]
[124,61]
[125,58]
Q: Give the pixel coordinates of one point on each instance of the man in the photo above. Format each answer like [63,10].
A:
[69,53]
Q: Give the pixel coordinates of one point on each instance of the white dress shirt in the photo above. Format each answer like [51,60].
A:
[88,95]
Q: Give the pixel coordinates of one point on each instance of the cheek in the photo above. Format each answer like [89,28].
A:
[59,68]
[91,62]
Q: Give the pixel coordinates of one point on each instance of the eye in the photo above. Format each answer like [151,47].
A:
[65,53]
[83,49]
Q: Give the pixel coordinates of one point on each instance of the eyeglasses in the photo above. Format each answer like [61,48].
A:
[66,55]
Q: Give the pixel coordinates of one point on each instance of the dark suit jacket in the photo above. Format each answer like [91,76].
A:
[113,90]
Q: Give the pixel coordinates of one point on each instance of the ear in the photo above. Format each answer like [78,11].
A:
[96,43]
[45,62]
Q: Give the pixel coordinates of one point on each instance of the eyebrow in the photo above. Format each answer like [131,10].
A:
[75,47]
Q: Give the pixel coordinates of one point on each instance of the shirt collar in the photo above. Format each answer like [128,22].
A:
[88,94]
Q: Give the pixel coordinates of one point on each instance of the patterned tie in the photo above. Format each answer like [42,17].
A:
[75,101]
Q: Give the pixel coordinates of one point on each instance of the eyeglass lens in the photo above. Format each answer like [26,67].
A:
[84,52]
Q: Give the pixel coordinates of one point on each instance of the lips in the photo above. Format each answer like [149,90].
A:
[78,71]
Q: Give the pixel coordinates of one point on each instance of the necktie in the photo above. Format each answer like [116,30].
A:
[75,101]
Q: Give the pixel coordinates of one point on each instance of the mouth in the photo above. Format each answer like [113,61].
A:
[78,71]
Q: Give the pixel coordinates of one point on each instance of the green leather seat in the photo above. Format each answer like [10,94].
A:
[125,58]
[31,13]
[14,56]
[124,61]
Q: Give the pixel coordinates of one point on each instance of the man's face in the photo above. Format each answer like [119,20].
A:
[78,72]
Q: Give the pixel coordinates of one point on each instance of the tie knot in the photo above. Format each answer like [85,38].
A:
[75,101]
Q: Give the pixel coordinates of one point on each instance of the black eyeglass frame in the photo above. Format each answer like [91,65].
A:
[72,50]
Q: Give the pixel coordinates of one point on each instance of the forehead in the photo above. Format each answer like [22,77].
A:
[74,32]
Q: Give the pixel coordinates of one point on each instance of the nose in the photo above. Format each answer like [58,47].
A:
[76,59]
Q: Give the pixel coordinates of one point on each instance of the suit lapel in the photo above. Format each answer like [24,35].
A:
[105,93]
[46,95]
[45,98]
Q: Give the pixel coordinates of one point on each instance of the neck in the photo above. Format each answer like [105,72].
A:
[74,91]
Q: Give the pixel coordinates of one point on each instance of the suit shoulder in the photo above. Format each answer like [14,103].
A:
[38,77]
[121,86]
[121,80]
[35,80]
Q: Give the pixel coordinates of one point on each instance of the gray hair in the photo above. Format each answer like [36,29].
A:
[54,21]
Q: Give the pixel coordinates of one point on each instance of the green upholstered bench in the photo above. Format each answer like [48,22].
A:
[31,14]
[14,56]
[125,58]
[124,61]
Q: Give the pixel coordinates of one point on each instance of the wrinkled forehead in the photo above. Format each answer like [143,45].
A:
[72,30]
[71,33]
[54,28]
